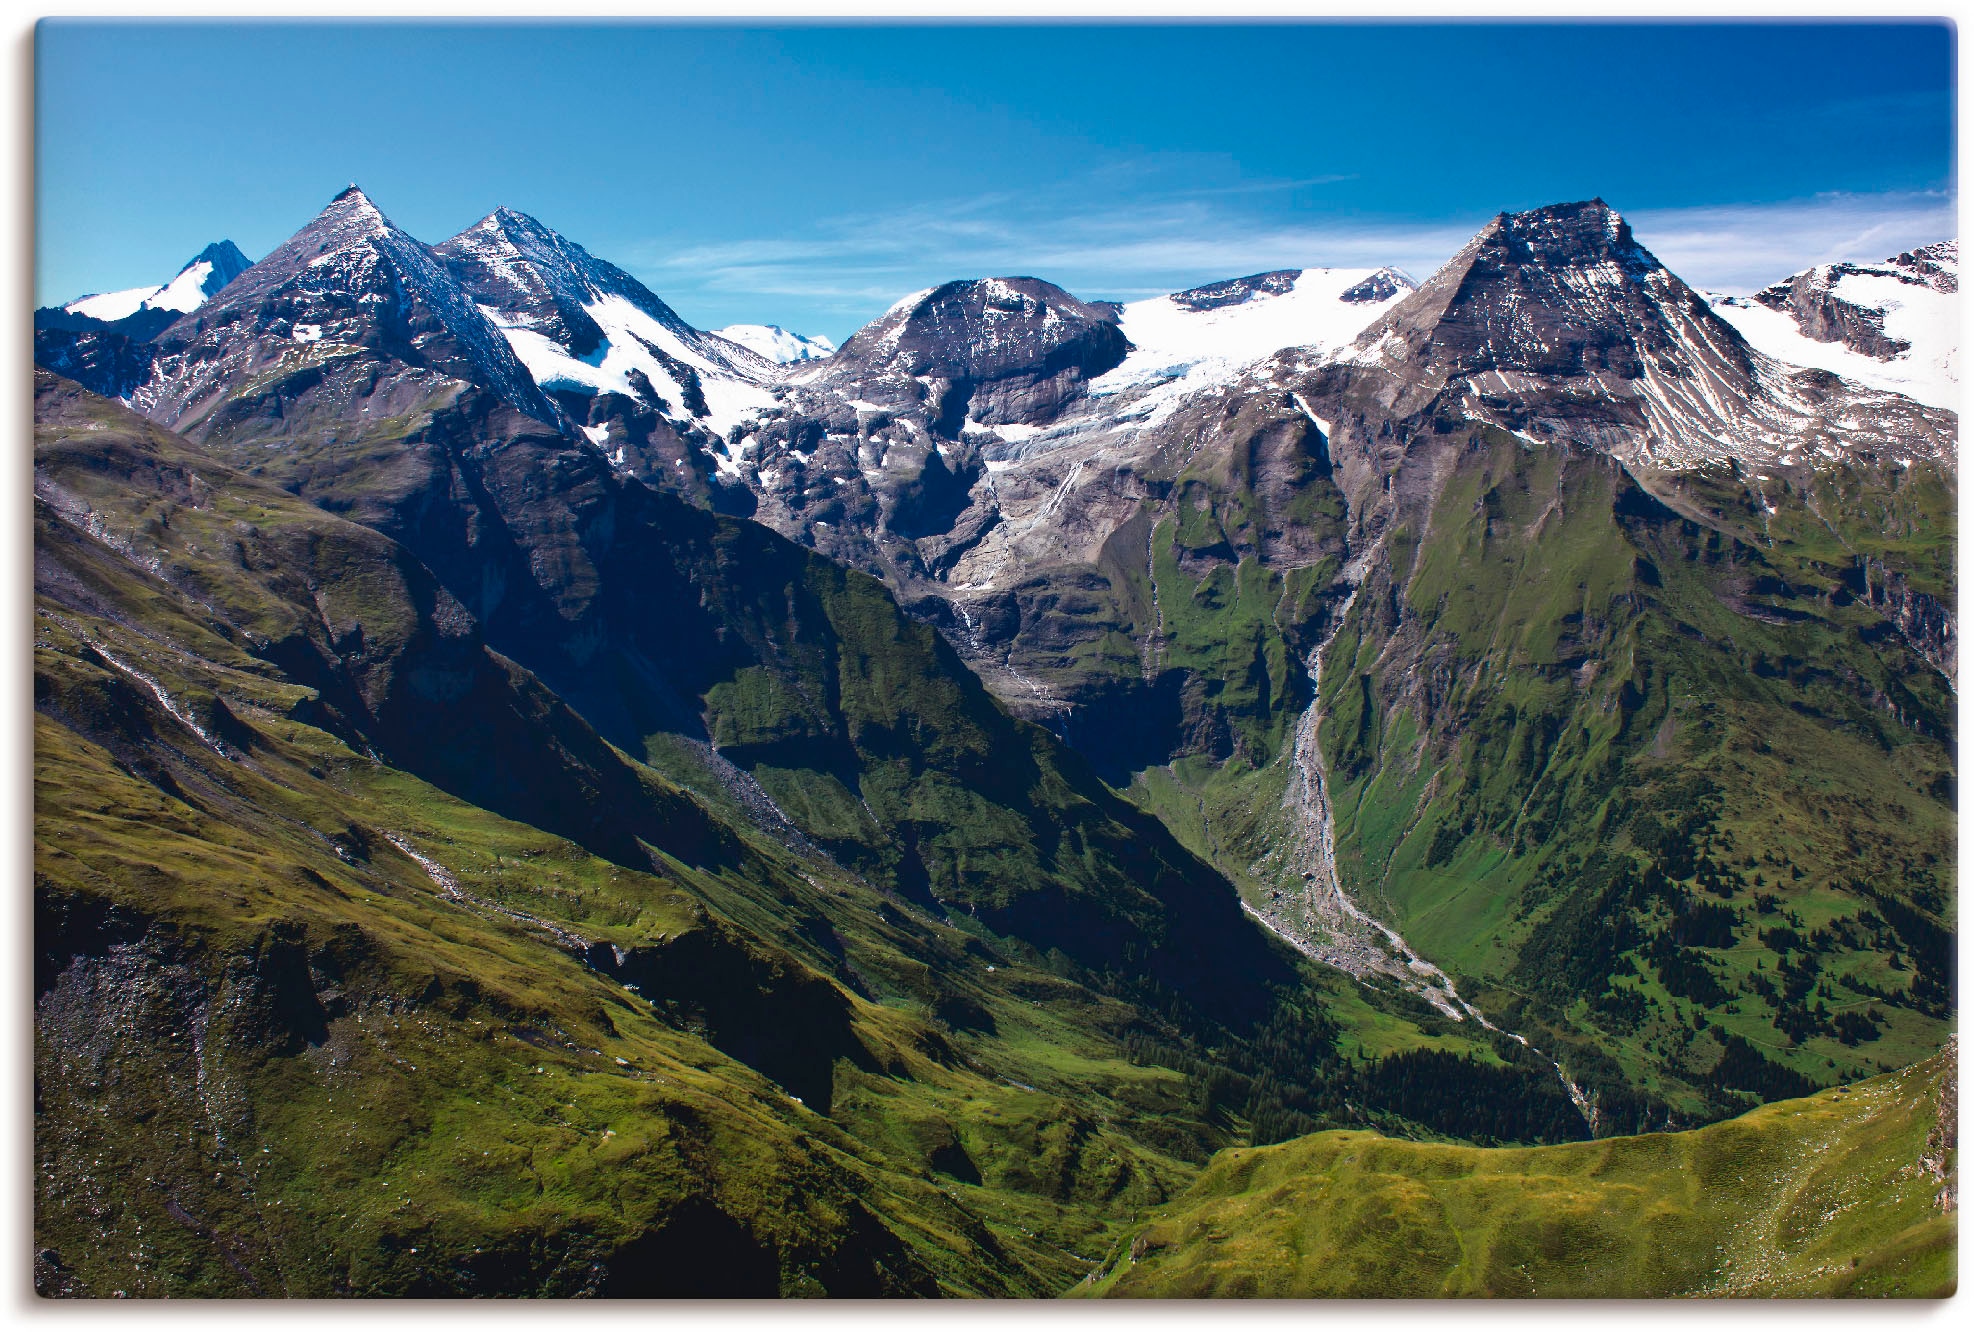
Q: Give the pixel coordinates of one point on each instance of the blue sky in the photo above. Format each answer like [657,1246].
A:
[808,176]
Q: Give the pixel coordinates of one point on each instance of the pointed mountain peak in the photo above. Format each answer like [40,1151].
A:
[352,208]
[349,278]
[541,280]
[515,219]
[1557,321]
[501,221]
[585,326]
[202,276]
[1549,290]
[225,257]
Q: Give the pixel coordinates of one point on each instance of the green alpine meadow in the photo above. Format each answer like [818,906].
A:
[1338,782]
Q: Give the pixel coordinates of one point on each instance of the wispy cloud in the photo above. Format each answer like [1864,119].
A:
[1742,247]
[849,268]
[857,265]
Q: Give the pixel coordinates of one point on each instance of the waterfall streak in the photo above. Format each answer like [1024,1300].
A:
[1309,908]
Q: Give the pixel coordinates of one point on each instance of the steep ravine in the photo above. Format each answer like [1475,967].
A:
[1308,907]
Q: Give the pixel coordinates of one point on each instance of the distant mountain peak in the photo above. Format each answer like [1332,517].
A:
[223,255]
[202,276]
[978,329]
[776,343]
[1893,325]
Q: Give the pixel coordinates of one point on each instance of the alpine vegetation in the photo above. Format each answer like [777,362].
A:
[1334,781]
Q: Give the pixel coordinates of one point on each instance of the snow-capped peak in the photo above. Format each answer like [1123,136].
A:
[1557,322]
[776,343]
[203,275]
[582,325]
[1892,325]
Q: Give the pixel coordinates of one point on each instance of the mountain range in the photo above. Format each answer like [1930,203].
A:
[535,797]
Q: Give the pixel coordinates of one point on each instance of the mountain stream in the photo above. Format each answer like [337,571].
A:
[1308,907]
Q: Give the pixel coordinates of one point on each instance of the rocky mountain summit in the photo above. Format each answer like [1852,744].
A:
[352,298]
[999,351]
[1558,322]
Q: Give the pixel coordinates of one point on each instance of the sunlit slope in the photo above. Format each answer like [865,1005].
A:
[1848,1192]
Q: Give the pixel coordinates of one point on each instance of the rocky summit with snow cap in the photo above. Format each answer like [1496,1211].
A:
[201,277]
[1893,326]
[587,327]
[1013,350]
[1557,322]
[349,295]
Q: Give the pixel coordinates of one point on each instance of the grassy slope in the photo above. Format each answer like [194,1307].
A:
[1555,685]
[657,620]
[1609,725]
[319,1062]
[1832,1195]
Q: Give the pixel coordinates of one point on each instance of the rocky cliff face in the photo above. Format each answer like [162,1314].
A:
[1828,309]
[874,456]
[1007,528]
